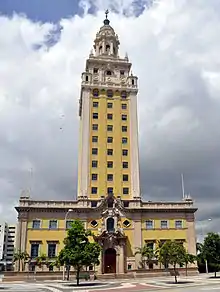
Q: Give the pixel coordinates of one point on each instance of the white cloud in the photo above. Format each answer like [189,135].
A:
[174,48]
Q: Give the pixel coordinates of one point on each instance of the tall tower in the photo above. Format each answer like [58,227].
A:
[108,150]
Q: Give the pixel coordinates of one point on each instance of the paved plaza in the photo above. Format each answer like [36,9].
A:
[190,284]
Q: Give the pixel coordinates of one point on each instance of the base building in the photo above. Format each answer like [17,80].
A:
[109,199]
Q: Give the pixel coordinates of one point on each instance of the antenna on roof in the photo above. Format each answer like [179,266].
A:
[183,188]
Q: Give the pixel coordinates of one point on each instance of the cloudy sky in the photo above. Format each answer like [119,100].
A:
[174,47]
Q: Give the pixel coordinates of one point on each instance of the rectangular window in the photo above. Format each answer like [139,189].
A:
[94,163]
[95,70]
[124,140]
[124,128]
[109,177]
[95,127]
[125,164]
[110,164]
[69,224]
[125,152]
[124,117]
[126,204]
[94,139]
[150,244]
[34,250]
[109,151]
[125,191]
[109,116]
[94,176]
[163,224]
[95,104]
[51,250]
[95,116]
[109,139]
[94,151]
[109,128]
[149,224]
[53,224]
[94,190]
[36,224]
[125,177]
[110,190]
[93,204]
[109,105]
[178,224]
[124,106]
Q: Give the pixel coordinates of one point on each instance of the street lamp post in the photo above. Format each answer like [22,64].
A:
[65,219]
[203,235]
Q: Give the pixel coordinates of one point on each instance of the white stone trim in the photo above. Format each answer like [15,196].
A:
[134,150]
[84,145]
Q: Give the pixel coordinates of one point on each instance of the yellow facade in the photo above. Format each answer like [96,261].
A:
[109,199]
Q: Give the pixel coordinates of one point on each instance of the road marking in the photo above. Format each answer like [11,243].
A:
[53,289]
[210,288]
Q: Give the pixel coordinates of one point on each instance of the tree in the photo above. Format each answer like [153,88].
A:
[189,259]
[21,257]
[78,251]
[211,250]
[147,255]
[41,261]
[172,253]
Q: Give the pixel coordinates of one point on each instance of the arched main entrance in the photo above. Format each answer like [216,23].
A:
[110,261]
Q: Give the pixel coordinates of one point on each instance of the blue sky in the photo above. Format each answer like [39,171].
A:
[43,10]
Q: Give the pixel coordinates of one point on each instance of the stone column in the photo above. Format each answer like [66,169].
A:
[121,260]
[137,241]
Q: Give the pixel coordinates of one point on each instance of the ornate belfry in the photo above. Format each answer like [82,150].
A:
[111,236]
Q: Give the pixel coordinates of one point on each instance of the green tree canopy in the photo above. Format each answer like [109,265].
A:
[211,250]
[147,254]
[78,251]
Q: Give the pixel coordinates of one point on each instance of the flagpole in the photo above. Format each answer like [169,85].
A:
[183,189]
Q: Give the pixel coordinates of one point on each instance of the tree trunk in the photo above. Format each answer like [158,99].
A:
[77,276]
[215,273]
[22,266]
[68,273]
[174,268]
[186,270]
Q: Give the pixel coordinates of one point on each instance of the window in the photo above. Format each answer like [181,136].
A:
[124,140]
[93,204]
[109,151]
[94,176]
[129,266]
[163,224]
[94,163]
[178,224]
[110,190]
[123,105]
[95,70]
[87,78]
[95,104]
[124,94]
[95,116]
[94,139]
[94,190]
[124,128]
[36,224]
[110,224]
[34,250]
[125,177]
[109,116]
[125,191]
[110,164]
[109,73]
[109,93]
[122,72]
[51,250]
[109,139]
[125,164]
[94,223]
[109,177]
[109,105]
[110,128]
[126,223]
[125,152]
[124,117]
[126,204]
[94,151]
[69,224]
[132,81]
[95,127]
[96,92]
[53,224]
[149,224]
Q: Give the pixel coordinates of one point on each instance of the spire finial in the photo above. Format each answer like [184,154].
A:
[106,21]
